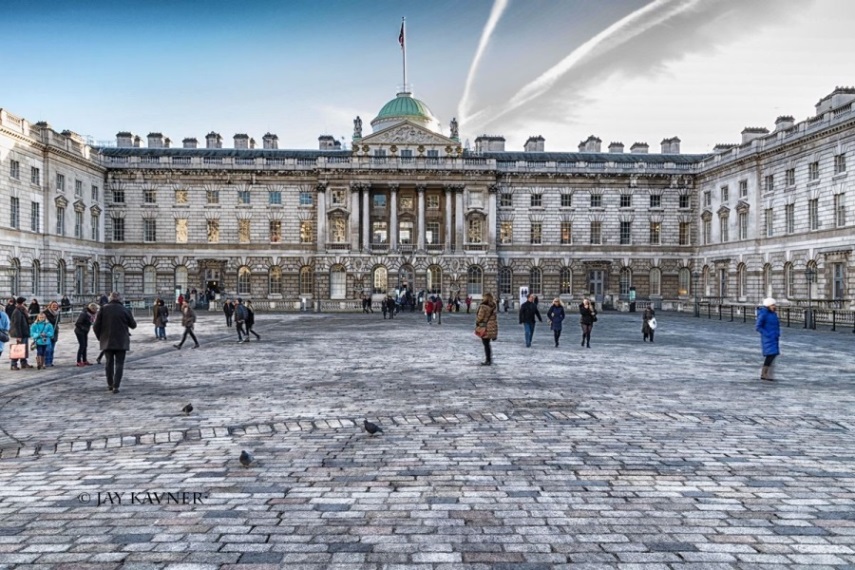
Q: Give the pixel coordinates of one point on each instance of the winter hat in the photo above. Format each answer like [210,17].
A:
[768,302]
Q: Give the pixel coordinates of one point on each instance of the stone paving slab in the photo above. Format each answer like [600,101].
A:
[671,455]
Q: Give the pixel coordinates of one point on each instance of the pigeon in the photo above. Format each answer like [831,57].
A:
[372,428]
[187,409]
[245,458]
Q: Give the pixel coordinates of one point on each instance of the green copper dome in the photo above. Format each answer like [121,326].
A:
[404,107]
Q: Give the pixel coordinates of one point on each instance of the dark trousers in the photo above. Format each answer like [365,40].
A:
[82,343]
[240,331]
[228,319]
[557,335]
[115,367]
[249,330]
[188,330]
[769,359]
[586,334]
[488,349]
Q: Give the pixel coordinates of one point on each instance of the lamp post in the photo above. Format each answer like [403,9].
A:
[810,275]
[695,277]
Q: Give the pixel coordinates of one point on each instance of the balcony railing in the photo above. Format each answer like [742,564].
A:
[475,247]
[338,246]
[434,246]
[379,247]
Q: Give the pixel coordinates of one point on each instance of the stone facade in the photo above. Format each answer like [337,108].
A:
[407,204]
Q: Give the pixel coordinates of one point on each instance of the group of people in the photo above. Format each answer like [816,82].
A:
[242,314]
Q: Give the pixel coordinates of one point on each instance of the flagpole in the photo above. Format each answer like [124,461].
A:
[404,47]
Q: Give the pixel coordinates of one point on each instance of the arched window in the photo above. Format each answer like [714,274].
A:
[565,278]
[149,280]
[474,281]
[625,281]
[406,277]
[96,278]
[16,277]
[338,282]
[381,279]
[79,278]
[535,281]
[117,278]
[706,278]
[812,288]
[767,280]
[307,280]
[181,281]
[789,280]
[741,281]
[60,277]
[684,282]
[506,279]
[244,284]
[434,279]
[722,282]
[656,281]
[274,280]
[37,278]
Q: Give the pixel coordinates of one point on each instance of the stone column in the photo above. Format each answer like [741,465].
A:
[354,218]
[393,217]
[366,218]
[321,189]
[491,217]
[420,191]
[458,218]
[448,212]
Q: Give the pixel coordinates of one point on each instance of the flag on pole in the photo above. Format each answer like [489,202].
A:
[401,36]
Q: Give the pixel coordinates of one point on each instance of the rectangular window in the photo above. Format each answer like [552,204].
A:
[307,231]
[35,176]
[707,199]
[790,214]
[35,216]
[626,201]
[566,200]
[537,200]
[60,221]
[626,233]
[791,177]
[813,214]
[743,188]
[213,231]
[655,200]
[725,194]
[275,231]
[506,200]
[769,183]
[536,235]
[840,210]
[243,231]
[306,200]
[433,202]
[96,227]
[813,171]
[707,232]
[60,183]
[596,200]
[685,233]
[15,213]
[743,225]
[655,233]
[243,197]
[596,233]
[838,276]
[15,169]
[118,229]
[769,216]
[78,225]
[406,153]
[685,201]
[78,188]
[150,230]
[839,163]
[118,196]
[378,201]
[150,196]
[274,198]
[212,197]
[723,229]
[566,233]
[338,197]
[432,235]
[506,232]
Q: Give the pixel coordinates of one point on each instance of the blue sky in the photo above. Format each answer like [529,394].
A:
[625,70]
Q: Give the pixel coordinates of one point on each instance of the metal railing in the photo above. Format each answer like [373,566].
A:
[790,315]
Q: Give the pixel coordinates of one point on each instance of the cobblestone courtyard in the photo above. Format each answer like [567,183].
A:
[628,454]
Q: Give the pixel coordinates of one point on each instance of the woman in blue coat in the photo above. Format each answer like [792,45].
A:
[770,331]
[555,314]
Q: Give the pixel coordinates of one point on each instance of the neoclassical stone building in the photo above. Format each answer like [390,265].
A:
[408,204]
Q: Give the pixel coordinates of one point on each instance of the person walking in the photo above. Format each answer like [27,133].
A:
[240,319]
[19,330]
[528,312]
[112,329]
[769,328]
[53,316]
[437,309]
[161,319]
[250,320]
[429,310]
[468,303]
[587,318]
[487,324]
[81,331]
[648,323]
[229,310]
[4,330]
[188,321]
[555,314]
[42,332]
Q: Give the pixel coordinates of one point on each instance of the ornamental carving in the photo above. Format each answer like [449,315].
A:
[406,134]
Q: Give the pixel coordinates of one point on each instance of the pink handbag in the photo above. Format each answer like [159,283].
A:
[18,351]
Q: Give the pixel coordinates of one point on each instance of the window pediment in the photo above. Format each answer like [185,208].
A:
[742,207]
[723,212]
[61,202]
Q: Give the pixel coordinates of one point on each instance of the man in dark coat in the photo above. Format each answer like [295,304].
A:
[10,307]
[229,310]
[19,329]
[528,312]
[112,330]
[240,319]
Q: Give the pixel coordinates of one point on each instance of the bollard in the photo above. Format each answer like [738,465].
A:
[719,312]
[833,320]
[709,311]
[731,313]
[788,317]
[744,315]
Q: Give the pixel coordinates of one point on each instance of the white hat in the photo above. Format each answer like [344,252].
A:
[768,302]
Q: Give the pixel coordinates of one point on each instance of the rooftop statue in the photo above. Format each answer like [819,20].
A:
[357,128]
[453,126]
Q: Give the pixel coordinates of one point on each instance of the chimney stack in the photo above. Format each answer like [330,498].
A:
[270,141]
[213,140]
[534,144]
[124,139]
[190,143]
[751,133]
[616,147]
[639,148]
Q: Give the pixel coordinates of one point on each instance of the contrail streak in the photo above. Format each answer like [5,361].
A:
[499,7]
[615,35]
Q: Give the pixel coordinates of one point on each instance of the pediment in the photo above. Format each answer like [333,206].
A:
[723,211]
[742,206]
[408,133]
